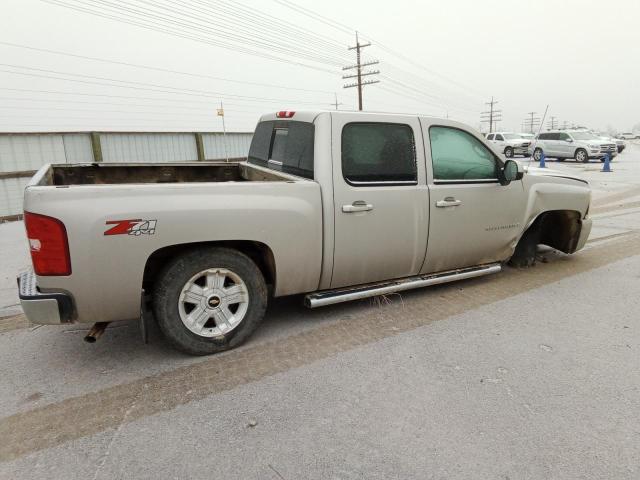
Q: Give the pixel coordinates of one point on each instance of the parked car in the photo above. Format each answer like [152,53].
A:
[628,136]
[509,143]
[527,136]
[620,144]
[578,144]
[335,206]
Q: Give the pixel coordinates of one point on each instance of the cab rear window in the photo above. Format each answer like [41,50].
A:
[286,146]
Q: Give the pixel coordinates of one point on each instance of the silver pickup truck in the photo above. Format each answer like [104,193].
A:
[332,205]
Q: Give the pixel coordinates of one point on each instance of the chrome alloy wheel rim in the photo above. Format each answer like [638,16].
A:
[213,302]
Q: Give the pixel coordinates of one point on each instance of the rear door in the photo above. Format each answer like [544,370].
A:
[380,198]
[473,219]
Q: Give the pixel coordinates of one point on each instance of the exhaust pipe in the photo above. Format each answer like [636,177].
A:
[96,332]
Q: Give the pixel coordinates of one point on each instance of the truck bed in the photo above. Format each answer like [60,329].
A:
[114,174]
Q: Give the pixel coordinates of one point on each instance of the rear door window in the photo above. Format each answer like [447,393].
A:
[285,146]
[499,137]
[374,153]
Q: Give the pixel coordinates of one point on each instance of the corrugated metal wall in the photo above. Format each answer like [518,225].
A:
[149,147]
[236,145]
[20,154]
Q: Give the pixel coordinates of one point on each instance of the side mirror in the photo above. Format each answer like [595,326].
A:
[569,140]
[510,172]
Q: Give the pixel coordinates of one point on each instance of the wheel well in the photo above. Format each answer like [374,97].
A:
[260,253]
[559,229]
[578,149]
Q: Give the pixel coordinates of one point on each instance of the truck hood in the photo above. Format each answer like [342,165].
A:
[549,172]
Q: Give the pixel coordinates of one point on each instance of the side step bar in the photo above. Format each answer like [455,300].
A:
[329,297]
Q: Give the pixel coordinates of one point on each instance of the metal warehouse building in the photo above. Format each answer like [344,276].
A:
[21,154]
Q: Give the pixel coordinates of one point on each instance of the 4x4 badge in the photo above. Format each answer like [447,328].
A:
[131,227]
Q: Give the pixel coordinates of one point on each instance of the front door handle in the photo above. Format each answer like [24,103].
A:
[357,206]
[448,202]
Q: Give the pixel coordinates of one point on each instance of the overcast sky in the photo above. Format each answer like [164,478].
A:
[439,58]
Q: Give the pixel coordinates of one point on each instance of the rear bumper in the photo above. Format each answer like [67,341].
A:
[584,233]
[43,308]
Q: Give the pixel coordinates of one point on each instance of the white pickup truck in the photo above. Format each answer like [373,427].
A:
[332,205]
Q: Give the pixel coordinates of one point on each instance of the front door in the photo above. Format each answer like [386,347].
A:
[474,219]
[380,198]
[565,145]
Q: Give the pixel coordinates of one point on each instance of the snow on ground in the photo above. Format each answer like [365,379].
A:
[14,259]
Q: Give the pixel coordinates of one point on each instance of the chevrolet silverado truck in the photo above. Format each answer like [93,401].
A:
[334,206]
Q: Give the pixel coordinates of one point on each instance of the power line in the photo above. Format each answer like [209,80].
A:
[150,25]
[336,104]
[159,69]
[531,122]
[552,124]
[182,23]
[344,28]
[491,116]
[103,95]
[139,85]
[163,106]
[359,72]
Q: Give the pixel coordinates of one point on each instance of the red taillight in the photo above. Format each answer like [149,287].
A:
[48,244]
[285,114]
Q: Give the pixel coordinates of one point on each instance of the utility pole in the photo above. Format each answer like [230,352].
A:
[553,123]
[359,72]
[335,103]
[492,116]
[224,131]
[532,121]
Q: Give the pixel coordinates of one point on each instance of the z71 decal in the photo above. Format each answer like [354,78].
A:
[131,227]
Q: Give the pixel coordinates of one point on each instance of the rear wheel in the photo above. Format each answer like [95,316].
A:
[209,300]
[582,155]
[508,152]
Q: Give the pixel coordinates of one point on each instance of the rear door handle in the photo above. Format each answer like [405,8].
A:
[448,202]
[357,206]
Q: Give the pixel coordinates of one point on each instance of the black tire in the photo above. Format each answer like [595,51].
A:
[525,253]
[537,153]
[581,155]
[508,152]
[178,272]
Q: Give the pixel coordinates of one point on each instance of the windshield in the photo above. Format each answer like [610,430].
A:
[583,136]
[511,136]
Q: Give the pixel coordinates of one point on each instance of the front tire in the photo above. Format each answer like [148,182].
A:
[582,155]
[508,152]
[209,300]
[525,253]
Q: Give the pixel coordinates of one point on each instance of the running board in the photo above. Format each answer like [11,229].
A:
[329,297]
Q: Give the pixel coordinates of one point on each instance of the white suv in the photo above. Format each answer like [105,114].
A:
[509,143]
[578,144]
